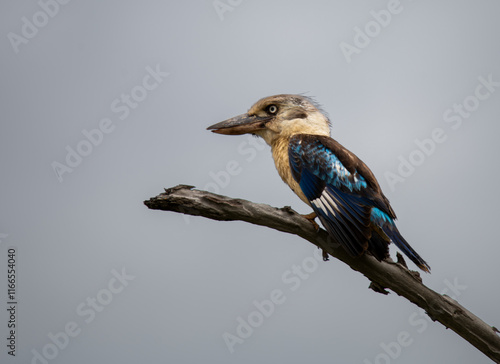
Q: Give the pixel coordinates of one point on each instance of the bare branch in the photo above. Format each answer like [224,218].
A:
[383,275]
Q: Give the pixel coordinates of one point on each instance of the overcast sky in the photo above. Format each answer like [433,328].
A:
[104,104]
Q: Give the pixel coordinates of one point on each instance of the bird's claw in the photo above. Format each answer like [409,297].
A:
[311,218]
[325,256]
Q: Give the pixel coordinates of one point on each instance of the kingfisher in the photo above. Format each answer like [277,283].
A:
[341,190]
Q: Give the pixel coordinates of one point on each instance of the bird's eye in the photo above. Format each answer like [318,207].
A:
[272,109]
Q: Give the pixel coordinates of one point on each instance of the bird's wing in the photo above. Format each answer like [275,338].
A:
[346,197]
[340,187]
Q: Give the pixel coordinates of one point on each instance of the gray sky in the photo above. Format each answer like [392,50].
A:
[106,103]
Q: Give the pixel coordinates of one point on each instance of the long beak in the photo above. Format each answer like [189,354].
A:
[241,124]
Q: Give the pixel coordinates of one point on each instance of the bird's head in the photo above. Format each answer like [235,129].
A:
[277,116]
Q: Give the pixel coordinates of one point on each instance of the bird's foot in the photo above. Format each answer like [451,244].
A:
[311,218]
[325,256]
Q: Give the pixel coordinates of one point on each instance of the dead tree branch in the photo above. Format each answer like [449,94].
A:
[386,274]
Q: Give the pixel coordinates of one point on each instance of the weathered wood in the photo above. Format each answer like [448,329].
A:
[383,275]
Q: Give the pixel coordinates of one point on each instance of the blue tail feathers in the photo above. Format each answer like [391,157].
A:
[393,234]
[389,228]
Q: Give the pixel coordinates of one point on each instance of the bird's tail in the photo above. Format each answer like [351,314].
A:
[393,233]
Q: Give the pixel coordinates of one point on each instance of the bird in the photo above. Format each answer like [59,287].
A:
[341,190]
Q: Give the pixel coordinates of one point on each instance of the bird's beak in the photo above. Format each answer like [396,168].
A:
[241,124]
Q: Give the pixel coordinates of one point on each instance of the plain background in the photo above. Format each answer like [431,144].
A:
[194,277]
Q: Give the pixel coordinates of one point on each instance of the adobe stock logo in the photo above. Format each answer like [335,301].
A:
[222,178]
[263,309]
[88,310]
[31,26]
[122,106]
[454,116]
[418,322]
[222,7]
[363,36]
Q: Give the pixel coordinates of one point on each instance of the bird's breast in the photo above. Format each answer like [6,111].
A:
[280,155]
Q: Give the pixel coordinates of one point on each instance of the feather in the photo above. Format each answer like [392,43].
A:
[346,196]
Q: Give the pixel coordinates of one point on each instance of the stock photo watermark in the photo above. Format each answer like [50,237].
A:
[364,35]
[223,6]
[220,179]
[30,26]
[292,278]
[12,300]
[454,117]
[122,106]
[419,322]
[86,311]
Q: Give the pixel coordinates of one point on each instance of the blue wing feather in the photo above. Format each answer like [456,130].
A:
[346,197]
[328,185]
